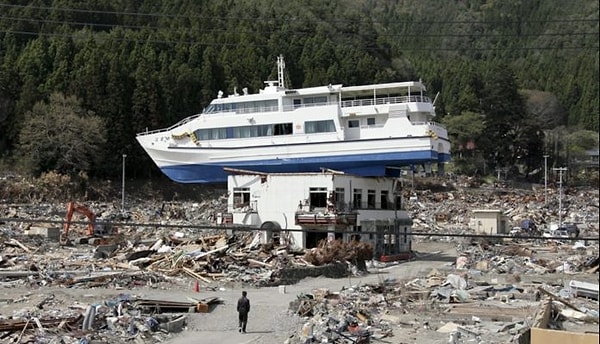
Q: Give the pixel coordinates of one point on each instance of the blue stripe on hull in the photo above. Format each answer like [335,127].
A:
[444,157]
[362,165]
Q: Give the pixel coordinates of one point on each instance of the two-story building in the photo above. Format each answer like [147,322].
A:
[300,209]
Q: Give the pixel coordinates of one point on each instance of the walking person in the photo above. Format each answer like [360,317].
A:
[243,308]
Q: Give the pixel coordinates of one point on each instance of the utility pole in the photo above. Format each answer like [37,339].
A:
[560,182]
[123,187]
[546,179]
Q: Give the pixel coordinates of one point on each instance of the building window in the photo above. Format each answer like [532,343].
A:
[357,199]
[405,235]
[384,199]
[371,198]
[241,197]
[398,202]
[339,199]
[318,197]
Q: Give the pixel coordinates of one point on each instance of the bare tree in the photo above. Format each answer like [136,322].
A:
[61,136]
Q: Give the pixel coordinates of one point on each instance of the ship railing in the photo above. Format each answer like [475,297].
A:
[182,122]
[431,124]
[191,118]
[243,109]
[386,100]
[293,107]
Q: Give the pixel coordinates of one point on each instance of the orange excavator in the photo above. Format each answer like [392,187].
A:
[92,229]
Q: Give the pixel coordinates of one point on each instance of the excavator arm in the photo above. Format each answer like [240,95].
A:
[73,208]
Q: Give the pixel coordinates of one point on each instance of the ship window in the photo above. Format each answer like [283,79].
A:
[245,131]
[371,121]
[353,123]
[252,131]
[241,132]
[270,105]
[318,197]
[244,107]
[211,134]
[319,127]
[241,197]
[297,103]
[282,129]
[312,101]
[218,133]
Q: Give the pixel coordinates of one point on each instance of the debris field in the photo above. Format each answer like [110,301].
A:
[486,290]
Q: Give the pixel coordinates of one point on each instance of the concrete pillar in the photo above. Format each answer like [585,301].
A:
[428,168]
[330,233]
[440,167]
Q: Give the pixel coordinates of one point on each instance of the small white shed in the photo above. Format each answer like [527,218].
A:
[489,221]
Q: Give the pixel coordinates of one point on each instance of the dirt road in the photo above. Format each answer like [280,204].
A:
[270,321]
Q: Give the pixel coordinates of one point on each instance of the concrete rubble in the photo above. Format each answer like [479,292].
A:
[463,305]
[490,293]
[140,257]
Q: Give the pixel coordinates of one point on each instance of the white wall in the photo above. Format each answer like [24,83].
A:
[277,199]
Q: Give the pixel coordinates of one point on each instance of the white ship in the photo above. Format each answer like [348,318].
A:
[370,130]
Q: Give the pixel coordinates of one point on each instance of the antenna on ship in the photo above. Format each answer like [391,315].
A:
[436,97]
[280,69]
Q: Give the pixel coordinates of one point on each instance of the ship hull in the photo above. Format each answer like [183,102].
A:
[377,157]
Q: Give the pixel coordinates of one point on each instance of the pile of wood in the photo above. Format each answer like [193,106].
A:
[337,250]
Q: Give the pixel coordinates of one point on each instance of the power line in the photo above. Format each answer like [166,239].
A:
[300,33]
[165,15]
[204,43]
[304,230]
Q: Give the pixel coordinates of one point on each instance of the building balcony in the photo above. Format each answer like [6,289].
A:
[225,219]
[326,219]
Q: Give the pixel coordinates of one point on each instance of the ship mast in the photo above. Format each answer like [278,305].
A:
[280,69]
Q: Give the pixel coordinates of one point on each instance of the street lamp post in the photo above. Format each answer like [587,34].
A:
[123,186]
[546,179]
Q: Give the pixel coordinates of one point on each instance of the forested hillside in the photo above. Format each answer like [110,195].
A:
[78,79]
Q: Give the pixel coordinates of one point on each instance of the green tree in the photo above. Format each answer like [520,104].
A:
[61,136]
[580,141]
[504,110]
[10,86]
[464,131]
[464,128]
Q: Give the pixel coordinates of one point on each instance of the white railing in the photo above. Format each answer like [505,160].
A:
[386,100]
[182,122]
